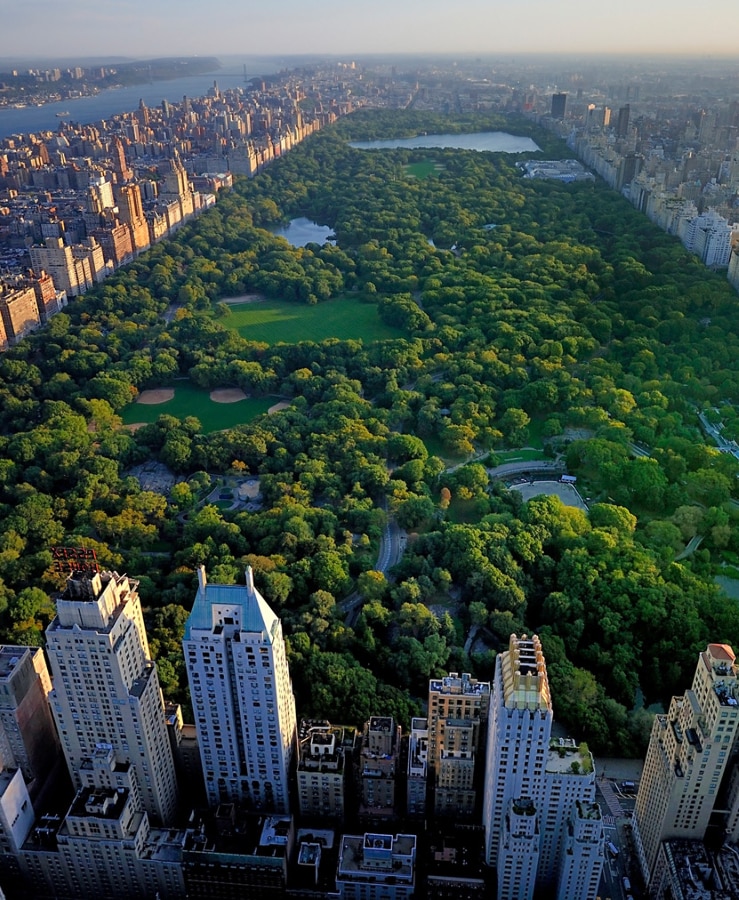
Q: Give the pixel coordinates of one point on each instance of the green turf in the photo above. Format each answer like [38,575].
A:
[189,400]
[423,169]
[277,321]
[525,455]
[435,447]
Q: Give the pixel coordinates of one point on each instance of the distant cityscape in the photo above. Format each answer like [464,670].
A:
[80,201]
[106,792]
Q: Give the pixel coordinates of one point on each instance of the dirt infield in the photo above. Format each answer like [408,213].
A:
[278,406]
[151,398]
[227,395]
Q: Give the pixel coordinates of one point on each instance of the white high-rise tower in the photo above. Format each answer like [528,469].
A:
[538,806]
[241,695]
[106,693]
[520,730]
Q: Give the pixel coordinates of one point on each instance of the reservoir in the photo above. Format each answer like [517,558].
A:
[302,231]
[491,141]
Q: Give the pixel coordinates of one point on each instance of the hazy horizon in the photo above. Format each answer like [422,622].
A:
[137,29]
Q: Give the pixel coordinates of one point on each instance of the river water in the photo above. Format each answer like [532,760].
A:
[107,103]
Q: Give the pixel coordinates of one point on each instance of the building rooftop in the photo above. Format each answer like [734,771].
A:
[377,856]
[99,803]
[453,684]
[566,757]
[524,675]
[240,608]
[588,809]
[10,657]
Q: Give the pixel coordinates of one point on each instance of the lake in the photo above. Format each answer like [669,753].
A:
[491,141]
[302,231]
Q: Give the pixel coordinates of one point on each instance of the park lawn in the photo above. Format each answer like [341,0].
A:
[280,322]
[525,454]
[535,429]
[423,169]
[436,447]
[189,400]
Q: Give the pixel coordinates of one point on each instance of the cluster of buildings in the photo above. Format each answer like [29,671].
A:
[78,202]
[676,163]
[104,792]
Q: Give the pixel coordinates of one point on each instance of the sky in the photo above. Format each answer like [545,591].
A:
[73,29]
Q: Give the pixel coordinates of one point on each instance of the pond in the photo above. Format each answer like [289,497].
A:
[300,232]
[730,585]
[492,141]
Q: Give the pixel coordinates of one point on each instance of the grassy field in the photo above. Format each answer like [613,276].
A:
[276,321]
[435,447]
[527,454]
[423,169]
[191,401]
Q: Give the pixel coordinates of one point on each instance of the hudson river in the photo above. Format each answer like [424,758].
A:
[110,102]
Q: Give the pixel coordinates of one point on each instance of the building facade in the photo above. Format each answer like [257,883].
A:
[378,767]
[688,755]
[457,713]
[241,695]
[322,770]
[105,687]
[28,736]
[535,786]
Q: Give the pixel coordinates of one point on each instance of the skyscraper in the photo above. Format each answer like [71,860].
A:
[559,105]
[622,123]
[241,695]
[519,733]
[535,786]
[688,754]
[106,692]
[28,738]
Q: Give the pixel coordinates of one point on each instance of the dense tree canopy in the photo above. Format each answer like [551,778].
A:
[527,309]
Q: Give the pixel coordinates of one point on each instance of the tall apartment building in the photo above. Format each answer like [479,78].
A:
[106,692]
[19,313]
[132,214]
[241,695]
[104,846]
[534,785]
[579,874]
[74,269]
[28,736]
[457,711]
[688,755]
[559,105]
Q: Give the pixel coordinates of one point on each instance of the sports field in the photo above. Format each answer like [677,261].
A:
[189,400]
[423,169]
[280,322]
[567,493]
